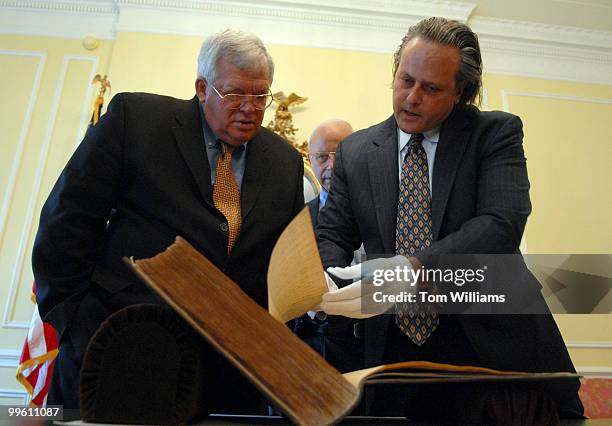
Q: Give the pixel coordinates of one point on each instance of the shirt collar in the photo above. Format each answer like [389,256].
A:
[323,196]
[432,136]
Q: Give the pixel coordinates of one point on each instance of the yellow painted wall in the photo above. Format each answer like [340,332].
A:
[44,84]
[567,138]
[350,85]
[568,150]
[567,144]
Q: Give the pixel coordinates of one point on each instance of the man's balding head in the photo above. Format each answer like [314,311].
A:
[322,148]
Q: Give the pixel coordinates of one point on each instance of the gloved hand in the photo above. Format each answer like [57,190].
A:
[347,301]
[367,268]
[317,312]
[331,285]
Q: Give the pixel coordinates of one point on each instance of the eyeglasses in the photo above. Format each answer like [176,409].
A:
[322,157]
[235,100]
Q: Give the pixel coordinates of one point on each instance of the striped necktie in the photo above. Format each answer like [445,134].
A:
[226,195]
[413,233]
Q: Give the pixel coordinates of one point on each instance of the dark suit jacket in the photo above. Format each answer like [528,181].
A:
[480,204]
[335,338]
[312,331]
[140,178]
[313,208]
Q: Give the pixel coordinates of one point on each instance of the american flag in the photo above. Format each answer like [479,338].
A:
[37,358]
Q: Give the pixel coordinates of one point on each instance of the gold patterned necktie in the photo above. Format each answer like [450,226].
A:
[413,233]
[226,195]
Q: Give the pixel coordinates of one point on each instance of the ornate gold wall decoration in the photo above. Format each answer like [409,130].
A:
[283,120]
[282,125]
[99,102]
[104,83]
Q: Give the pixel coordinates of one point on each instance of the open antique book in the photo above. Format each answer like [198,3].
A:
[293,376]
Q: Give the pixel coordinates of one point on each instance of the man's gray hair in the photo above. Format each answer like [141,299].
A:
[244,50]
[457,34]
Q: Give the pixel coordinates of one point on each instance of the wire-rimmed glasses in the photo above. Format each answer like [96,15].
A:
[237,100]
[321,157]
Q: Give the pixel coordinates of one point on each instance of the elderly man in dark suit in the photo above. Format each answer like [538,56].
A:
[440,177]
[321,154]
[155,167]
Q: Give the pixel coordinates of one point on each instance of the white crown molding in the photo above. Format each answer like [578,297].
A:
[88,6]
[323,11]
[509,47]
[543,33]
[69,19]
[544,51]
[358,25]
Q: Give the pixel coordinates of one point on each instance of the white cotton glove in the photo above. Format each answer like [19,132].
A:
[347,301]
[331,285]
[317,311]
[367,268]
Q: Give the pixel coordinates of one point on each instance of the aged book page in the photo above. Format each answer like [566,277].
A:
[419,372]
[296,280]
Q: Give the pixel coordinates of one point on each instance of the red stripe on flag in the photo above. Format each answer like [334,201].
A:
[25,352]
[34,372]
[50,336]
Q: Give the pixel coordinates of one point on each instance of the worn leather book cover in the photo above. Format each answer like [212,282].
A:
[293,376]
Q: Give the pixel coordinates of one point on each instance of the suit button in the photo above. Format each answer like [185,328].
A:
[223,227]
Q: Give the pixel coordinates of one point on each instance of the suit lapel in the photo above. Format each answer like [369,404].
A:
[451,146]
[313,207]
[255,173]
[384,181]
[382,167]
[190,141]
[383,170]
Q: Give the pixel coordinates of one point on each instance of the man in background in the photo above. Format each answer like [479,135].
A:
[440,177]
[321,153]
[155,167]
